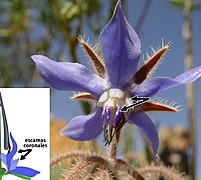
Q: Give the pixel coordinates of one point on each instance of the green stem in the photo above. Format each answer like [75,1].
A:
[23,177]
[20,176]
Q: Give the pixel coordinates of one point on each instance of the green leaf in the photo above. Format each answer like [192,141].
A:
[2,171]
[22,177]
[179,4]
[69,11]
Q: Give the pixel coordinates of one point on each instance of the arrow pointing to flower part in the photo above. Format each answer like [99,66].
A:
[25,150]
[138,101]
[143,99]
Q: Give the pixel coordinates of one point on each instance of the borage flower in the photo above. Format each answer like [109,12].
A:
[115,82]
[11,164]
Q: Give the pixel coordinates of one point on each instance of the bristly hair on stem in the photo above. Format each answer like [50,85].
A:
[111,166]
[152,172]
[115,169]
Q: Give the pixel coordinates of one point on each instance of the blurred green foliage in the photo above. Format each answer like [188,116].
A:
[179,4]
[41,27]
[55,172]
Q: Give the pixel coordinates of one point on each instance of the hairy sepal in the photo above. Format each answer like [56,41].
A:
[95,59]
[151,64]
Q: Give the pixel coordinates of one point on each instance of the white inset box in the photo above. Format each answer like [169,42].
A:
[28,117]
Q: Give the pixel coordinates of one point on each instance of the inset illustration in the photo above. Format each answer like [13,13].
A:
[15,158]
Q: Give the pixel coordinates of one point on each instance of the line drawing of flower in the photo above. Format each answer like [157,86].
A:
[117,78]
[11,164]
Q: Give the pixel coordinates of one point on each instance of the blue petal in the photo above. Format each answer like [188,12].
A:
[68,76]
[189,76]
[141,120]
[82,128]
[25,171]
[13,164]
[10,155]
[121,49]
[4,159]
[152,86]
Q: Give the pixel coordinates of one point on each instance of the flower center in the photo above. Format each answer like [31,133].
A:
[112,118]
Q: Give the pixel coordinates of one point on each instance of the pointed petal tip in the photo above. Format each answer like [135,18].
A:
[118,6]
[68,132]
[65,133]
[118,11]
[62,132]
[34,57]
[37,58]
[121,49]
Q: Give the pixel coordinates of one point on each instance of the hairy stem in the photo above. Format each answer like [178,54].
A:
[113,150]
[105,164]
[78,168]
[123,166]
[104,175]
[162,170]
[68,155]
[89,159]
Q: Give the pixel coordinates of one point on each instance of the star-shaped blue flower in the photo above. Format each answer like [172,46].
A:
[116,80]
[11,164]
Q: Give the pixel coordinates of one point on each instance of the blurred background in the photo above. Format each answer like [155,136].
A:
[51,28]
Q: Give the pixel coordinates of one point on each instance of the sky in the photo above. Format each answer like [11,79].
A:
[162,23]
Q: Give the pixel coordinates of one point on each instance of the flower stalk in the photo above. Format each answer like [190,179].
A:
[113,150]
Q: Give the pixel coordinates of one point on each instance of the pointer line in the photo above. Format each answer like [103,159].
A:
[25,150]
[134,105]
[143,100]
[136,98]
